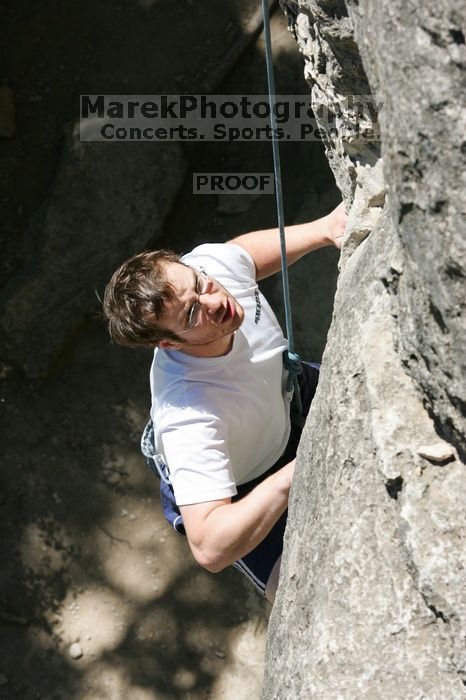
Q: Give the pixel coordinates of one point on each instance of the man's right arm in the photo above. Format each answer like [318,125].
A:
[265,249]
[220,532]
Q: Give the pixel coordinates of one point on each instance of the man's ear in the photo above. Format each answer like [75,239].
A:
[169,345]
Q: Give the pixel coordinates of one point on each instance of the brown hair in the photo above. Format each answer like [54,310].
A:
[135,298]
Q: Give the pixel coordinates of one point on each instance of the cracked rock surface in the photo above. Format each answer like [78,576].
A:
[371,602]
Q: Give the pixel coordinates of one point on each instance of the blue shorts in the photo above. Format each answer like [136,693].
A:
[258,564]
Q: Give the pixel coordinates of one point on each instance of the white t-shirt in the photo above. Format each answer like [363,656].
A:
[223,421]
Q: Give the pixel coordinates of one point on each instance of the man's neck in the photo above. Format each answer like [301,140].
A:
[217,348]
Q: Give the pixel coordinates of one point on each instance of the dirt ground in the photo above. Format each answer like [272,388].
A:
[89,567]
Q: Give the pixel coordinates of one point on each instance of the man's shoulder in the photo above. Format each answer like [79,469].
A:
[224,259]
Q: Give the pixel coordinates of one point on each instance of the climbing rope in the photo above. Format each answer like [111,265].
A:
[291,360]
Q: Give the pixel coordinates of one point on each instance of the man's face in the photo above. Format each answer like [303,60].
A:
[220,314]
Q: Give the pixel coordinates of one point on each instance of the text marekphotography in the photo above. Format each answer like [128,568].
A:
[226,118]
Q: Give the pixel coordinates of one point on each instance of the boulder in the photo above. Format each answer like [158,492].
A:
[108,201]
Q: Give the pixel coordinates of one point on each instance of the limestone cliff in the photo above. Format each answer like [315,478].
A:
[372,596]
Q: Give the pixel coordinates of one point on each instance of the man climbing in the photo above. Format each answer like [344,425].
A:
[220,411]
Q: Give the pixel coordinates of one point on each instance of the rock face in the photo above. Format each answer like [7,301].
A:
[108,201]
[372,595]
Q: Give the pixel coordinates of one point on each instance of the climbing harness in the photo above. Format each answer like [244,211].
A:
[159,468]
[291,360]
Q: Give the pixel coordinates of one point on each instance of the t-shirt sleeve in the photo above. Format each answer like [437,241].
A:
[230,263]
[194,448]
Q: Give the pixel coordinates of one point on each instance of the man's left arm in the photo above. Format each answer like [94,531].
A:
[264,246]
